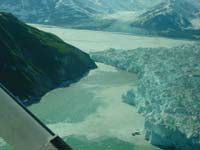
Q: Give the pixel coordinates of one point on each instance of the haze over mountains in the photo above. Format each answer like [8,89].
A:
[47,10]
[167,93]
[146,17]
[66,11]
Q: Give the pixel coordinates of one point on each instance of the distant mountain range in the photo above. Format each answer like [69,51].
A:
[172,18]
[68,11]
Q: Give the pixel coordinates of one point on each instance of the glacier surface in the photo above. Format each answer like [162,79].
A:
[168,92]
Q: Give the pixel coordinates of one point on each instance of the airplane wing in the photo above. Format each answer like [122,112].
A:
[23,130]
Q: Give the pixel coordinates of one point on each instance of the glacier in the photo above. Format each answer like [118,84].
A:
[168,92]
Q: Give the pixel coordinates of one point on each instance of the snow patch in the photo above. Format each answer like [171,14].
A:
[122,15]
[196,23]
[2,142]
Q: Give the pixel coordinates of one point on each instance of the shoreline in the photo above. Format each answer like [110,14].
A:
[36,100]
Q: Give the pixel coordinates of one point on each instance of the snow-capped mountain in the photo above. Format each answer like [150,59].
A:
[160,17]
[170,17]
[28,10]
[41,11]
[66,11]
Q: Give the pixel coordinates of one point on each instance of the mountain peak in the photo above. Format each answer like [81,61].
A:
[170,18]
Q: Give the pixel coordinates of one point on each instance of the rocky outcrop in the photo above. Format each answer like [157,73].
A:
[32,62]
[168,93]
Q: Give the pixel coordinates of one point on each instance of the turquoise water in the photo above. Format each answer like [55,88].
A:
[90,114]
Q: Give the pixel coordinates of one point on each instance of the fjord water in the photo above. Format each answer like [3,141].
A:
[90,114]
[92,41]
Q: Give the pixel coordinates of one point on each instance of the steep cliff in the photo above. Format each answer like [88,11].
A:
[32,61]
[168,93]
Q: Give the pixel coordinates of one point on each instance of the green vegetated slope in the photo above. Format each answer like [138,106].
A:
[32,61]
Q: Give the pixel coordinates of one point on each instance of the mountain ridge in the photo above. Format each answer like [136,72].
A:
[171,18]
[59,11]
[34,62]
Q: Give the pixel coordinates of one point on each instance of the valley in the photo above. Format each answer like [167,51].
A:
[104,74]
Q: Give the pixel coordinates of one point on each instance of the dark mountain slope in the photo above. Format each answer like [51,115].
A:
[32,62]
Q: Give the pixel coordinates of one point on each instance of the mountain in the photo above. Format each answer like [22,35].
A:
[171,18]
[65,12]
[44,10]
[51,11]
[28,9]
[32,62]
[167,94]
